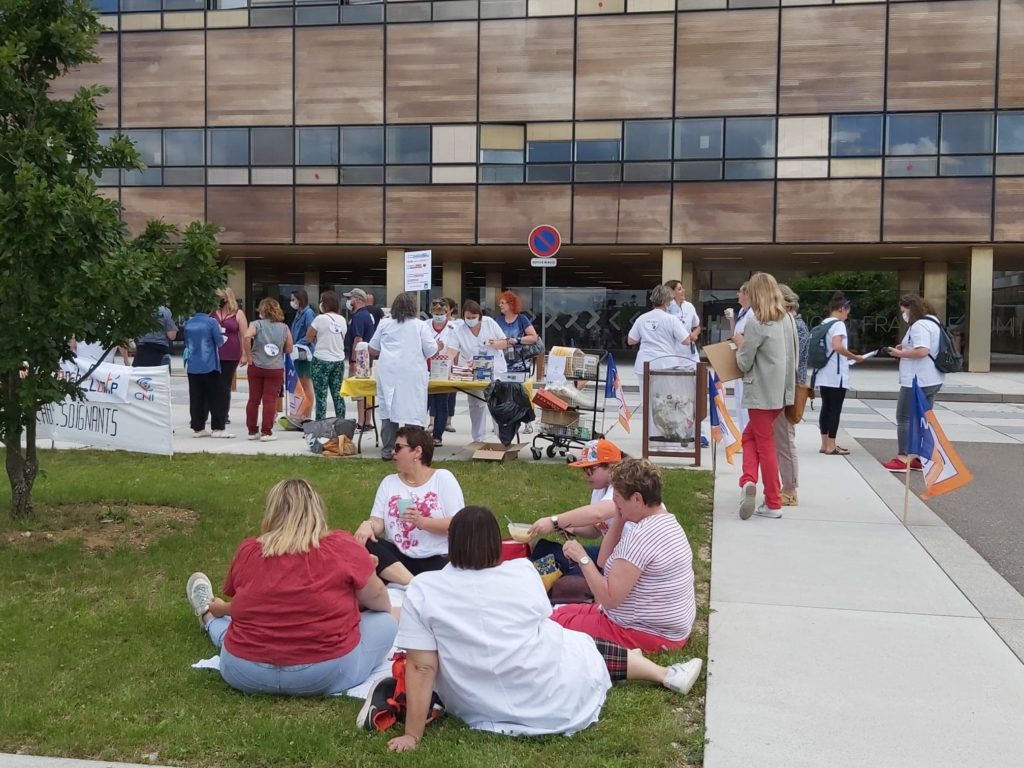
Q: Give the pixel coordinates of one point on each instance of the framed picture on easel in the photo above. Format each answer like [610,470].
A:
[674,405]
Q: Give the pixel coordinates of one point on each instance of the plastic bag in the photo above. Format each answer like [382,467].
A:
[509,405]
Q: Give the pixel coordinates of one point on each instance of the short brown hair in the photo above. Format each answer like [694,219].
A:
[474,539]
[631,476]
[329,302]
[512,299]
[472,306]
[418,437]
[269,309]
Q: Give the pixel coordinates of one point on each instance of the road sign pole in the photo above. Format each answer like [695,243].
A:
[543,306]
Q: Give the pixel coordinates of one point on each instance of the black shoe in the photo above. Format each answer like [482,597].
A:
[377,713]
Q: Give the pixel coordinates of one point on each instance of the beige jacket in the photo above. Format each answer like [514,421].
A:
[768,360]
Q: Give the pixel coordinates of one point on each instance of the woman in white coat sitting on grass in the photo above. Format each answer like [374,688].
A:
[480,633]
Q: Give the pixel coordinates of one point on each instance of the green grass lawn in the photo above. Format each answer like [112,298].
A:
[95,644]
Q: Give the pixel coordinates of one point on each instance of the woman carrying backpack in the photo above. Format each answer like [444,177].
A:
[832,376]
[916,353]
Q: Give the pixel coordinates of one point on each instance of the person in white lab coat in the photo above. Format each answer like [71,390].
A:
[403,343]
[479,631]
[479,335]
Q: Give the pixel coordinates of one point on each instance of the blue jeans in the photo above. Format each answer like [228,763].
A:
[438,407]
[325,678]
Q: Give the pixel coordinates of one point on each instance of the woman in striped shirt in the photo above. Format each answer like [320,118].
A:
[644,599]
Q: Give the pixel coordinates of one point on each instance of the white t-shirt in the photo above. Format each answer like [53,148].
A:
[662,601]
[923,333]
[439,497]
[741,320]
[596,497]
[470,346]
[660,336]
[836,372]
[505,666]
[330,337]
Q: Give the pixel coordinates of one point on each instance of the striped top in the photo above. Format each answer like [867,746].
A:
[662,601]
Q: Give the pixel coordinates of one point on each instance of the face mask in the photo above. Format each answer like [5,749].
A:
[439,319]
[906,316]
[321,308]
[295,304]
[348,304]
[223,303]
[472,322]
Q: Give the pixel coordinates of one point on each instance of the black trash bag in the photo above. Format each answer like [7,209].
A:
[510,406]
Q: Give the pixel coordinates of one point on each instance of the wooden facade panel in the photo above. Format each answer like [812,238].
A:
[828,211]
[526,69]
[624,66]
[428,215]
[179,206]
[1011,54]
[249,76]
[1009,208]
[431,72]
[832,59]
[726,63]
[621,213]
[103,72]
[251,214]
[723,212]
[333,215]
[507,212]
[164,79]
[942,55]
[339,75]
[935,210]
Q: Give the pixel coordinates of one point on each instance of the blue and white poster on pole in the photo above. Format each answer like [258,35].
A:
[417,270]
[123,408]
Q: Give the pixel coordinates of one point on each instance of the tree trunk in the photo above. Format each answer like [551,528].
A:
[22,471]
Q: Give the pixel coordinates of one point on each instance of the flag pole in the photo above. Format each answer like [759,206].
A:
[906,489]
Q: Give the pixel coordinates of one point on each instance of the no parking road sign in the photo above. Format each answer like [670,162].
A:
[544,241]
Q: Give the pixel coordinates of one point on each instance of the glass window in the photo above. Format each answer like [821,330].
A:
[698,138]
[455,9]
[971,165]
[317,146]
[229,146]
[912,135]
[504,156]
[272,146]
[649,140]
[140,5]
[108,177]
[362,146]
[550,174]
[597,150]
[910,166]
[105,137]
[184,176]
[750,137]
[965,132]
[151,177]
[362,14]
[409,144]
[362,174]
[698,170]
[184,5]
[408,174]
[183,147]
[408,12]
[1011,132]
[270,17]
[502,9]
[318,14]
[501,174]
[857,135]
[647,172]
[549,151]
[105,6]
[599,172]
[749,169]
[147,144]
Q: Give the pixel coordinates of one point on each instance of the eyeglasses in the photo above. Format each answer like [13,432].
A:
[400,446]
[588,471]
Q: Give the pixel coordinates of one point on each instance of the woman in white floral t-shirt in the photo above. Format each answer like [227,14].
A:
[413,508]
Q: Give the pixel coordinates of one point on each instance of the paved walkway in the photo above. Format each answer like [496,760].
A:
[841,637]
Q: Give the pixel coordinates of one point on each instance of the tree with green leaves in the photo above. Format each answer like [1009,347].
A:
[875,318]
[68,266]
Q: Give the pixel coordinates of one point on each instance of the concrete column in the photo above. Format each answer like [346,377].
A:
[396,274]
[492,287]
[935,277]
[451,280]
[909,281]
[979,310]
[236,280]
[672,268]
[312,286]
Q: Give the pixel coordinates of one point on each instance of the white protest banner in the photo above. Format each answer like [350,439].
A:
[124,408]
[417,270]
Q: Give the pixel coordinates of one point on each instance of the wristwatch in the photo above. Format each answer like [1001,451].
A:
[584,560]
[554,520]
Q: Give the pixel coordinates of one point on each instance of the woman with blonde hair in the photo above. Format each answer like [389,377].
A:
[308,615]
[767,354]
[233,325]
[267,341]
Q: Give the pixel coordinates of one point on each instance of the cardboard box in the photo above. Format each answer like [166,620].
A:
[559,418]
[548,401]
[498,452]
[722,357]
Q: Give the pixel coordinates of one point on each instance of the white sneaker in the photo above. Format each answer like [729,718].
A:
[681,677]
[764,511]
[268,438]
[748,494]
[199,592]
[254,436]
[224,435]
[200,433]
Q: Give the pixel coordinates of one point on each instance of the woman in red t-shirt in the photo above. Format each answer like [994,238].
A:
[295,624]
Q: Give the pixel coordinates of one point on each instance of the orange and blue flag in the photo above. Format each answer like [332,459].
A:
[944,471]
[613,388]
[723,429]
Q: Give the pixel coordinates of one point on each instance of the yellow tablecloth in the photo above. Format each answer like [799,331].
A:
[368,387]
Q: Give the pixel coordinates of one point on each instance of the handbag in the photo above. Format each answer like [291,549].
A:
[795,412]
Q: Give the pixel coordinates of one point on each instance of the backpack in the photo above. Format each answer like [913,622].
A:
[948,360]
[818,353]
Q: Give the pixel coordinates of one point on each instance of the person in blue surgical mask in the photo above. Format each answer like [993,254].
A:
[441,329]
[479,335]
